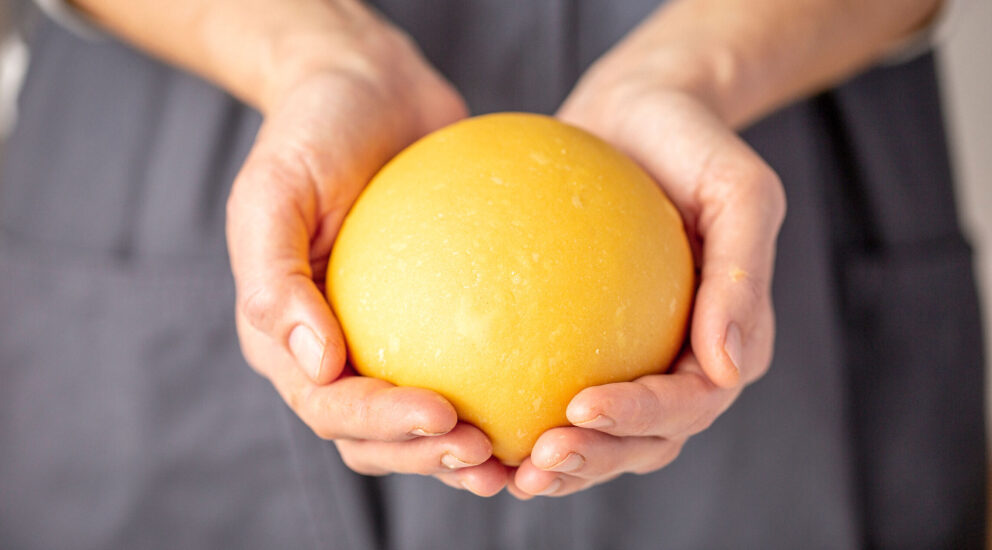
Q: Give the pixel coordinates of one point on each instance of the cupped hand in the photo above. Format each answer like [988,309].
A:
[733,205]
[330,124]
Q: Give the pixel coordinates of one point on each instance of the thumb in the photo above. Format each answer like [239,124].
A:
[271,216]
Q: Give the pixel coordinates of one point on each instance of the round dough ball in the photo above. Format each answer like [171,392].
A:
[507,262]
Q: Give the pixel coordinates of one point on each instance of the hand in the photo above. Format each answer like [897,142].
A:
[329,125]
[733,205]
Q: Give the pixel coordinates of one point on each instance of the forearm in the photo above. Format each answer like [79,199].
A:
[748,58]
[251,48]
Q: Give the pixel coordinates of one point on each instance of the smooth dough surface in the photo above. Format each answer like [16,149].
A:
[507,262]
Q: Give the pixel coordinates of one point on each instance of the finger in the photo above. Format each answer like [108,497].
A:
[680,403]
[357,407]
[462,447]
[353,407]
[593,455]
[516,492]
[271,218]
[484,480]
[532,481]
[565,485]
[623,455]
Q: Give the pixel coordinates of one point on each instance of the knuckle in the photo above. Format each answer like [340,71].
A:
[749,182]
[644,418]
[309,410]
[365,416]
[753,288]
[295,402]
[702,421]
[259,307]
[775,193]
[764,187]
[721,178]
[757,175]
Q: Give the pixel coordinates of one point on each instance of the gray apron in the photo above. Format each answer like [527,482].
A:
[128,418]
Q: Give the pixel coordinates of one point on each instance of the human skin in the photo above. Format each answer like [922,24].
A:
[342,90]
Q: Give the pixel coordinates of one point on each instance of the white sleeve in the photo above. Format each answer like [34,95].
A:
[925,39]
[72,19]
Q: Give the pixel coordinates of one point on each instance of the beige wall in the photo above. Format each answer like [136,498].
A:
[966,72]
[966,68]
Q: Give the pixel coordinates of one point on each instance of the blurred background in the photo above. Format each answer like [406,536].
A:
[966,74]
[965,56]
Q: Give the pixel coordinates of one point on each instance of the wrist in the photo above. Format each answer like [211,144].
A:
[749,59]
[357,45]
[684,51]
[261,58]
[710,74]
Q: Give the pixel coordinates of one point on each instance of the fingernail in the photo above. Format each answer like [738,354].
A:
[598,423]
[733,346]
[552,487]
[452,462]
[572,462]
[420,432]
[307,349]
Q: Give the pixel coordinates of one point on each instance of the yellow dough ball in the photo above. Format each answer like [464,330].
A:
[507,262]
